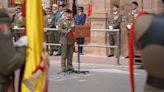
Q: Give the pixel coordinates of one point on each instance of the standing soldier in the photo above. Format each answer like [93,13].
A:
[132,18]
[57,17]
[133,15]
[49,35]
[149,36]
[66,24]
[80,18]
[18,21]
[114,21]
[11,57]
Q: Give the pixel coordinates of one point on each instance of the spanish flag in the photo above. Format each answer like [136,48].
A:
[36,66]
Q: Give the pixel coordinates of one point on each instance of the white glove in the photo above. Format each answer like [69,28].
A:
[21,42]
[129,26]
[111,27]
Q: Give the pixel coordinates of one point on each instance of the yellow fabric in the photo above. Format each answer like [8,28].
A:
[34,28]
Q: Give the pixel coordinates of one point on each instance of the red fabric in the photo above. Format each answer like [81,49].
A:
[89,9]
[24,8]
[131,54]
[13,1]
[38,68]
[24,14]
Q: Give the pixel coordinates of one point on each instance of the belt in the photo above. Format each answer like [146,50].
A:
[69,34]
[155,82]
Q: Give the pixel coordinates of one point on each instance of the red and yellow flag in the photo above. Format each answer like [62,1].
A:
[36,67]
[90,8]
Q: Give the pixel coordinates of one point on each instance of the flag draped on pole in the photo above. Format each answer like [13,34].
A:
[89,8]
[74,8]
[36,66]
[131,53]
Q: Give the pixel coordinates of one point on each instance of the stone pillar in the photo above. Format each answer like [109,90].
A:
[98,21]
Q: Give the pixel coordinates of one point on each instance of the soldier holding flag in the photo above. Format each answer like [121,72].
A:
[12,56]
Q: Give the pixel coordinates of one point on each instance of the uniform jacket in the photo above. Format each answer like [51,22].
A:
[64,26]
[132,16]
[18,20]
[115,20]
[80,18]
[49,21]
[11,58]
[57,16]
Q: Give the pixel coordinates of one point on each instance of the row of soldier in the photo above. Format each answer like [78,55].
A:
[51,20]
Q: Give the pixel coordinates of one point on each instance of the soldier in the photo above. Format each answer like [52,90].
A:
[49,35]
[149,36]
[133,15]
[80,18]
[18,21]
[66,24]
[57,17]
[11,57]
[114,21]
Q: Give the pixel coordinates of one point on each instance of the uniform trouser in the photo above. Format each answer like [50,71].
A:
[80,41]
[57,41]
[49,38]
[67,55]
[112,42]
[4,87]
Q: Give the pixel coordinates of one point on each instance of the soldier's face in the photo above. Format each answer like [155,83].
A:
[48,12]
[18,10]
[68,15]
[115,8]
[134,6]
[60,8]
[78,11]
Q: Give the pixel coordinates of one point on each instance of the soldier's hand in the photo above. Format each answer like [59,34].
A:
[21,42]
[129,26]
[69,30]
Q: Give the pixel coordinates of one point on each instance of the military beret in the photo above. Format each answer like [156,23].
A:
[4,17]
[68,11]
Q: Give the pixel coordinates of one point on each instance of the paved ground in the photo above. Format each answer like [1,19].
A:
[104,76]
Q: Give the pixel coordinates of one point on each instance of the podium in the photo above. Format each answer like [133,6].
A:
[80,31]
[83,31]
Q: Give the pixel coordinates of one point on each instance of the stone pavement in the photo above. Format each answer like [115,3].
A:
[93,59]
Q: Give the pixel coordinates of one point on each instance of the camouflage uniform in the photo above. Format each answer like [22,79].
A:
[11,58]
[49,34]
[18,22]
[67,42]
[132,17]
[114,20]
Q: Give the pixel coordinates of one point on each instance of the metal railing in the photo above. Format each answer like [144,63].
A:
[117,46]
